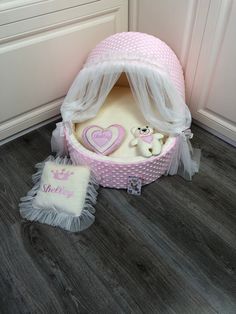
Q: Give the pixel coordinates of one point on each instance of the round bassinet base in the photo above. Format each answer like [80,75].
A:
[113,173]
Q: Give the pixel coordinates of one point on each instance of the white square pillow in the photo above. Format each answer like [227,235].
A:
[62,196]
[62,188]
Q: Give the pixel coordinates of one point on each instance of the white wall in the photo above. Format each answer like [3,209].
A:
[170,20]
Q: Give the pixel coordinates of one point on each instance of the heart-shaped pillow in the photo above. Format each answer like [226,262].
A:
[103,141]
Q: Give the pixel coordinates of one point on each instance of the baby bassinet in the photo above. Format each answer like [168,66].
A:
[156,79]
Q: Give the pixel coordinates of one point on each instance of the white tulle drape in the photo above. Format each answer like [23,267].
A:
[158,99]
[88,93]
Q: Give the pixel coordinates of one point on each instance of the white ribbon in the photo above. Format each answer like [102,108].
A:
[188,134]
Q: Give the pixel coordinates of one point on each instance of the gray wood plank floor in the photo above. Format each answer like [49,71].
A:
[172,250]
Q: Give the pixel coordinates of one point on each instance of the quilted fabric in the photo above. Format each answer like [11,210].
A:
[141,48]
[114,174]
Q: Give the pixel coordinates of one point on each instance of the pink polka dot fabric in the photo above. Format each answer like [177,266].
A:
[142,49]
[113,174]
[135,46]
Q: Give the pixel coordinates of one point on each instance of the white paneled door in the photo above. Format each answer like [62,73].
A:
[212,98]
[43,44]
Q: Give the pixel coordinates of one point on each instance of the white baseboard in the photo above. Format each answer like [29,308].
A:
[28,130]
[214,132]
[30,120]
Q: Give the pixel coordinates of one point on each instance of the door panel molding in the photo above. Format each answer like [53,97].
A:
[195,45]
[188,31]
[17,10]
[133,15]
[39,64]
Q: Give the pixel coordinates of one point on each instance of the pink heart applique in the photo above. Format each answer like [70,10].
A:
[147,138]
[101,138]
[103,141]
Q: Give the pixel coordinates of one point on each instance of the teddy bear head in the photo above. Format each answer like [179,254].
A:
[142,131]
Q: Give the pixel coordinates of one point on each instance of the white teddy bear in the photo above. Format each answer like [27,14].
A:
[148,143]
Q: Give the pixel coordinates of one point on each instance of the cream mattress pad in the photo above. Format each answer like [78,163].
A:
[121,108]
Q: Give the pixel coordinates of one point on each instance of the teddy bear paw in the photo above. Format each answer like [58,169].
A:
[147,154]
